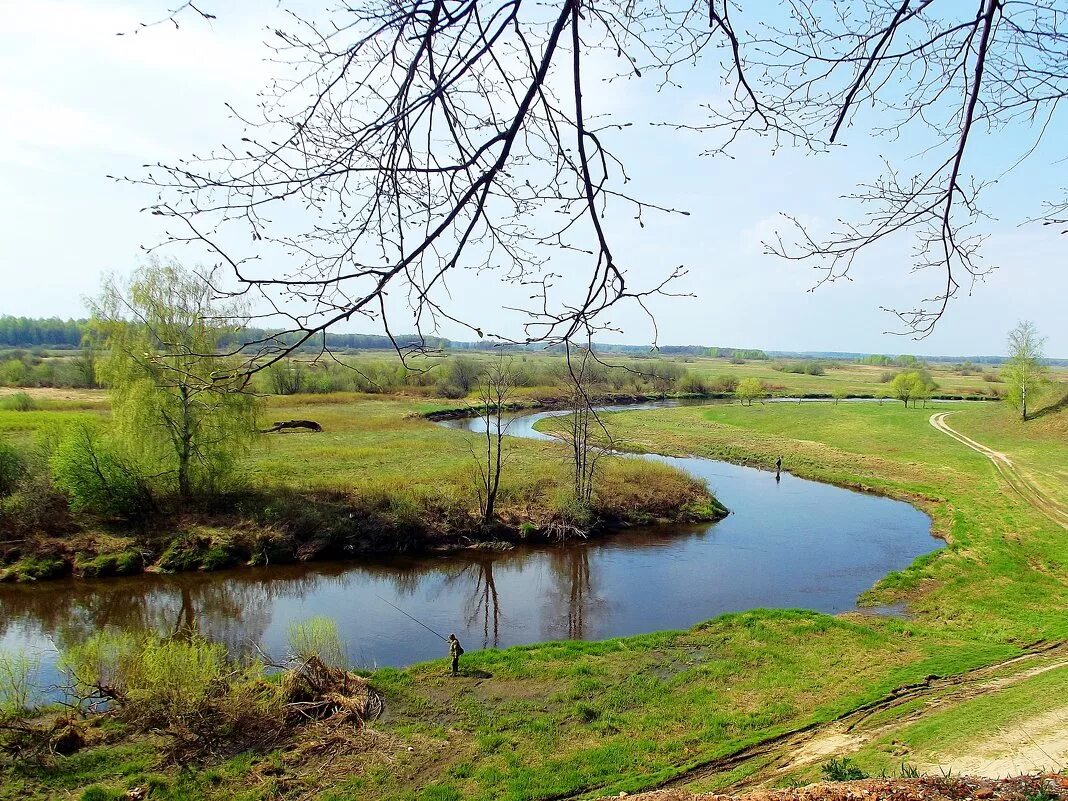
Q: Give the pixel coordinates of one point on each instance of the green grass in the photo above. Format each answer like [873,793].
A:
[1001,577]
[599,718]
[1038,447]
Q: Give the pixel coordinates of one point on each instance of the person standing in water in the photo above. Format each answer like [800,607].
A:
[455,652]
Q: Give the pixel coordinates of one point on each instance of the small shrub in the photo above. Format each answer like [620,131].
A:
[909,771]
[18,402]
[446,389]
[96,478]
[156,680]
[692,384]
[17,672]
[723,383]
[842,769]
[750,389]
[317,638]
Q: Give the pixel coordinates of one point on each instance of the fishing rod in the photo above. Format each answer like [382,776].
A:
[420,622]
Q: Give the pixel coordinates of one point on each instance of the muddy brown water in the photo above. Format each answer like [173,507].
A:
[787,543]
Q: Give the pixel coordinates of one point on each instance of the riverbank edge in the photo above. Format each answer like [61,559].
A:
[939,511]
[612,399]
[295,528]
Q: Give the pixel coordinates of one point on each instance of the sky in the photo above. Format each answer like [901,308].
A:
[80,103]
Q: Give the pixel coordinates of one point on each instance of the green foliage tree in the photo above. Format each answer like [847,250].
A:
[902,387]
[750,389]
[1024,374]
[921,388]
[176,406]
[912,385]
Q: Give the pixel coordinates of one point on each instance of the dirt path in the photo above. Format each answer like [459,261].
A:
[1040,742]
[925,788]
[818,742]
[1020,484]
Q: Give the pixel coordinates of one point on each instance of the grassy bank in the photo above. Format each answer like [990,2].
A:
[560,719]
[379,478]
[992,534]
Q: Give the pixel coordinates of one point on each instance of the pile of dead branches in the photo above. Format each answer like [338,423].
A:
[313,690]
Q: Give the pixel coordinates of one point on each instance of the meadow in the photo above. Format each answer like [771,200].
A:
[584,719]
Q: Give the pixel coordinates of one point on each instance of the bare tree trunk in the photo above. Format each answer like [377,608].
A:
[584,426]
[185,447]
[495,388]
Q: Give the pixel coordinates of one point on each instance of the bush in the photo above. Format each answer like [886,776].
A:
[842,770]
[750,389]
[692,384]
[12,468]
[723,383]
[192,691]
[18,402]
[96,479]
[156,680]
[450,391]
[17,672]
[317,638]
[285,378]
[35,507]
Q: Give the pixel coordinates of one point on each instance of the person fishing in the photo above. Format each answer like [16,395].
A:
[455,652]
[455,649]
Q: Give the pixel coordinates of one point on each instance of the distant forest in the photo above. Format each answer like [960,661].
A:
[30,332]
[52,332]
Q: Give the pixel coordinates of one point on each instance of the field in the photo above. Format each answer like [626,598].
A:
[572,719]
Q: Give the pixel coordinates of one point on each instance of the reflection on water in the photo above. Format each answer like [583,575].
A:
[787,543]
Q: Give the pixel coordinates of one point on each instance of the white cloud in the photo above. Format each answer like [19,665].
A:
[43,131]
[222,51]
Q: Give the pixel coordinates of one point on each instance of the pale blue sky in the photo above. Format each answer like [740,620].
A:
[79,103]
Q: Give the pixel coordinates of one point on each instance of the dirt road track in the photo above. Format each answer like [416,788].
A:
[1020,484]
[817,742]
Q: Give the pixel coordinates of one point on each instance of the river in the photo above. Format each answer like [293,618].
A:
[786,543]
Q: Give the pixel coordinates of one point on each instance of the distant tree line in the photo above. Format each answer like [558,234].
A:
[30,332]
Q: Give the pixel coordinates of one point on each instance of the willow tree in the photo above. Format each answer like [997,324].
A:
[1024,373]
[176,408]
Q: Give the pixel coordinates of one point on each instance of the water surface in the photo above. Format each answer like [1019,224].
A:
[786,543]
